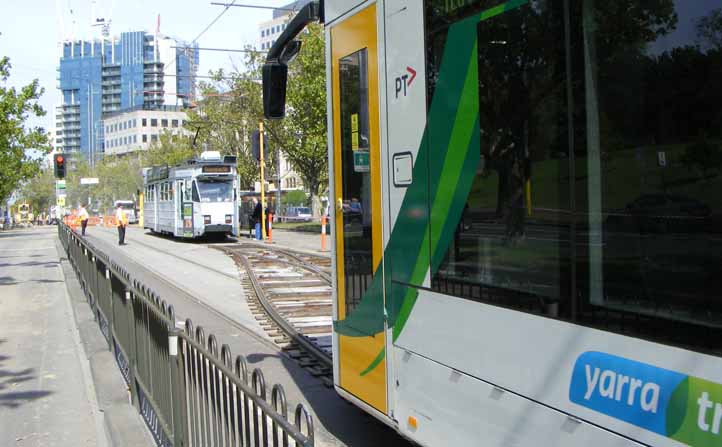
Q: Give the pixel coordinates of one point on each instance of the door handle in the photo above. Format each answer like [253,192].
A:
[339,204]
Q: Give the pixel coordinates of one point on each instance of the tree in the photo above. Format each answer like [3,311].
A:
[170,150]
[219,122]
[16,140]
[709,29]
[302,135]
[703,155]
[39,191]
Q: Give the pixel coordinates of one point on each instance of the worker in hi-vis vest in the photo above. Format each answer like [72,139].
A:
[122,221]
[83,216]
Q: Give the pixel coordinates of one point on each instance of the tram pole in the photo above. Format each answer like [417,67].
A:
[263,189]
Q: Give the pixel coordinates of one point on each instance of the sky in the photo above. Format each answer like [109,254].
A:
[30,31]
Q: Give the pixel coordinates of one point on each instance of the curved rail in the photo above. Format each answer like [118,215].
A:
[315,351]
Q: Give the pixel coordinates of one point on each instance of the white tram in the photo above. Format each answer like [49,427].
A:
[533,258]
[194,199]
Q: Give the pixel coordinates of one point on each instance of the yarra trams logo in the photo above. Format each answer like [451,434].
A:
[684,408]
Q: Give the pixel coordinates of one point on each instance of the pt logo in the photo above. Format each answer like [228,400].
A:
[403,82]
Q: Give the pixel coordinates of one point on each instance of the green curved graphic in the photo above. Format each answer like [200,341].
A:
[444,170]
[677,408]
[374,363]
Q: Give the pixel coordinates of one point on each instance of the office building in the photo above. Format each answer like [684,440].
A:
[104,76]
[271,29]
[136,129]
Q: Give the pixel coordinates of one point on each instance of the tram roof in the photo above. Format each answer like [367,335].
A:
[156,173]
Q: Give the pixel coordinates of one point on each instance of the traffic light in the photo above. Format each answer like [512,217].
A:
[256,145]
[59,161]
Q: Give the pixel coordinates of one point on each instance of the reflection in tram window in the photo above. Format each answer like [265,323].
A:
[597,194]
[356,184]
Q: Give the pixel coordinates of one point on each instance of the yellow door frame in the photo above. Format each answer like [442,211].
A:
[355,33]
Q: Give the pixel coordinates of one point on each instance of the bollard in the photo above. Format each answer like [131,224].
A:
[323,233]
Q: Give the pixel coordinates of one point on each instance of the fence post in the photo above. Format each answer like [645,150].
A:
[178,390]
[132,349]
[109,310]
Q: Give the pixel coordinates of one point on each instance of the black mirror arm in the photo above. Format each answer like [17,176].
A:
[311,12]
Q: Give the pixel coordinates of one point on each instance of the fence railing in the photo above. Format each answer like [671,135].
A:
[188,392]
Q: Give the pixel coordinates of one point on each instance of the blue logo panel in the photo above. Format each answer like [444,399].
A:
[631,391]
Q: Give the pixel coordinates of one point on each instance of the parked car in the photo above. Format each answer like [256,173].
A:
[661,213]
[298,213]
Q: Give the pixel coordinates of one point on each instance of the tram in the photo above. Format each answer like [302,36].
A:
[192,200]
[24,214]
[535,260]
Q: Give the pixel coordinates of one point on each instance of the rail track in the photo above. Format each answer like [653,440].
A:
[290,295]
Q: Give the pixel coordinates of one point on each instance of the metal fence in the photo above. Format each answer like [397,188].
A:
[188,392]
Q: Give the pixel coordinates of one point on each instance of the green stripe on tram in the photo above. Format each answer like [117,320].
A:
[450,173]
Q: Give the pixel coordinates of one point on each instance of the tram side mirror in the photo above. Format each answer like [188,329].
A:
[275,78]
[290,51]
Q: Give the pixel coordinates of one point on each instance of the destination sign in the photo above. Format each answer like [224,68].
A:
[222,169]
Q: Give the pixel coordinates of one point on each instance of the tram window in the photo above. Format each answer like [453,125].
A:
[510,246]
[215,191]
[187,194]
[652,212]
[612,219]
[196,196]
[356,187]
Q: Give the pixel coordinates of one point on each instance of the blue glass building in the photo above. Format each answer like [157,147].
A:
[110,75]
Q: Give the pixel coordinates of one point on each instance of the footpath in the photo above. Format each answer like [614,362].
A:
[59,384]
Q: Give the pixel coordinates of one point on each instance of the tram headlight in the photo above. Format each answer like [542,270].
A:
[207,220]
[229,218]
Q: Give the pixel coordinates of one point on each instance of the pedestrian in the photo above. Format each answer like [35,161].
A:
[257,217]
[83,215]
[122,221]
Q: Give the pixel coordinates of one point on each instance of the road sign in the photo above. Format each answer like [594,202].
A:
[60,201]
[89,181]
[61,184]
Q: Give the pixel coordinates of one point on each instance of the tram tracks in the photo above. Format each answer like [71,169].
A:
[290,295]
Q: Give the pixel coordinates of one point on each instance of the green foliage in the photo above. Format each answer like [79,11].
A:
[39,191]
[302,135]
[16,166]
[294,198]
[170,150]
[703,155]
[119,178]
[709,29]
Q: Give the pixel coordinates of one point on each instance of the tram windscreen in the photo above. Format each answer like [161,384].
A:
[215,191]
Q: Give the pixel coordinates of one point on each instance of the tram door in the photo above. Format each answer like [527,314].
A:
[357,189]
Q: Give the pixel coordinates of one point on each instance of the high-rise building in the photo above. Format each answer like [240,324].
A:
[103,76]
